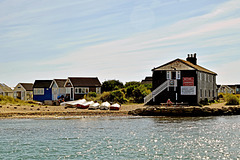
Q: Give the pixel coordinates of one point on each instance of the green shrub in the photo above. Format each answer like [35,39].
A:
[118,96]
[105,96]
[132,83]
[111,85]
[232,99]
[92,94]
[139,93]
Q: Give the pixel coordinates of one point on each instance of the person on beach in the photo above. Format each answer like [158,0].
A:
[169,102]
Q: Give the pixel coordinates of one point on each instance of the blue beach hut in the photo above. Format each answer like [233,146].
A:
[42,90]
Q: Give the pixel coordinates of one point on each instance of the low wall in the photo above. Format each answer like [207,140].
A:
[186,111]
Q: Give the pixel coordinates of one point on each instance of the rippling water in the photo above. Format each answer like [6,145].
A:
[121,138]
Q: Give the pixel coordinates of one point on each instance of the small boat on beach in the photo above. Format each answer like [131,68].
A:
[94,106]
[105,106]
[74,103]
[115,106]
[85,105]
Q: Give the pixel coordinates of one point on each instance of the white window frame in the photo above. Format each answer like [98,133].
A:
[68,90]
[169,74]
[81,90]
[178,74]
[38,91]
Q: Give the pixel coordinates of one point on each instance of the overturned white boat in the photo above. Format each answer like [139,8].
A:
[115,106]
[105,106]
[94,106]
[76,103]
[85,105]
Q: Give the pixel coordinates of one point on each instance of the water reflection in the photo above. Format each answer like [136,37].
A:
[122,138]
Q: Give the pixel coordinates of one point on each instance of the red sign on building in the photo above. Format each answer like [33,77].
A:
[188,81]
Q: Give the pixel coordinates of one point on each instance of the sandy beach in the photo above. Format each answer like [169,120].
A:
[35,111]
[43,111]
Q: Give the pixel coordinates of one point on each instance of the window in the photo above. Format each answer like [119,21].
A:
[213,93]
[209,93]
[68,90]
[168,74]
[201,93]
[38,91]
[205,93]
[81,90]
[98,90]
[178,74]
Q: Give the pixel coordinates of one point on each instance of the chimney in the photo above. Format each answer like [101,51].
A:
[192,58]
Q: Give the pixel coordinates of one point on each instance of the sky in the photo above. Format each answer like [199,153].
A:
[113,39]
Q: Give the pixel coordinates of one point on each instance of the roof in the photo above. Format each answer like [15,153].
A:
[27,86]
[60,82]
[196,67]
[147,80]
[42,83]
[85,81]
[5,88]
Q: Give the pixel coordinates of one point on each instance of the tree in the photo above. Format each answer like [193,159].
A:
[139,93]
[111,85]
[132,83]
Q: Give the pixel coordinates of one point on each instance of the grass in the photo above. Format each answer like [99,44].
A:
[4,100]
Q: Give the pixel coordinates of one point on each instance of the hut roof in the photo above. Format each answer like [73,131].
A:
[42,83]
[27,86]
[85,81]
[60,82]
[5,88]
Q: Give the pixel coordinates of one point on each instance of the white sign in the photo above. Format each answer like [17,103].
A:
[188,90]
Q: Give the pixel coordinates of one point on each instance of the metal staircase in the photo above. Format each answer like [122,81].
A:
[158,90]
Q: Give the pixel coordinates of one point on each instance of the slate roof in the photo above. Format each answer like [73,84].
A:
[147,80]
[196,67]
[27,86]
[5,88]
[42,83]
[60,82]
[85,81]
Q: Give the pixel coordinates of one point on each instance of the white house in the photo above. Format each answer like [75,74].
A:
[58,88]
[5,90]
[23,91]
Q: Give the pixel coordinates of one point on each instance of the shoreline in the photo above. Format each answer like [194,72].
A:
[38,111]
[62,114]
[219,109]
[25,112]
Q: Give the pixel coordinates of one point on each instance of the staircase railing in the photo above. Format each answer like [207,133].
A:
[158,90]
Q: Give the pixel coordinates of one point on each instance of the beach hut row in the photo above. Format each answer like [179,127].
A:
[70,89]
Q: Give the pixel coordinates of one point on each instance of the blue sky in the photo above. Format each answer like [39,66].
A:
[113,39]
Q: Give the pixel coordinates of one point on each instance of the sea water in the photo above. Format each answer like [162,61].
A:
[121,138]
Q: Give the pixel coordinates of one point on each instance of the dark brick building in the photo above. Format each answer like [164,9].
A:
[182,81]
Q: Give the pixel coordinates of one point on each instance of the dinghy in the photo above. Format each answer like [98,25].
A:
[115,106]
[105,106]
[94,106]
[85,105]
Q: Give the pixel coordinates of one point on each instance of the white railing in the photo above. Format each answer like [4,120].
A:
[148,98]
[158,90]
